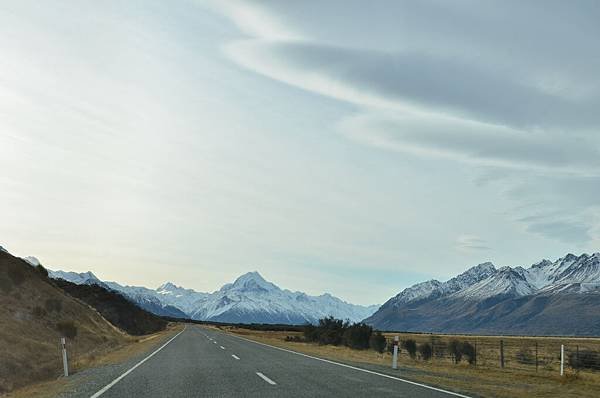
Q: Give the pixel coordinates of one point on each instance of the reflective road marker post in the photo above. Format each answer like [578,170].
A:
[64,356]
[395,357]
[562,359]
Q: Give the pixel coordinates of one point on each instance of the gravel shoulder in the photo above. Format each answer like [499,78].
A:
[101,371]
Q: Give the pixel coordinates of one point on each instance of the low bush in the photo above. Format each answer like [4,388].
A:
[459,349]
[67,329]
[38,312]
[296,339]
[378,342]
[469,352]
[425,351]
[411,347]
[584,359]
[357,336]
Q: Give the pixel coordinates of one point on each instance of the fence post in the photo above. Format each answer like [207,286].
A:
[475,352]
[536,357]
[395,357]
[502,354]
[63,343]
[562,359]
[432,349]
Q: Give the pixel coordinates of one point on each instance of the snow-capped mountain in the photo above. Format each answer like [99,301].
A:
[249,299]
[252,298]
[79,278]
[484,296]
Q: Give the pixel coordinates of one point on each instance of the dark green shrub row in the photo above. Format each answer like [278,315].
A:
[338,332]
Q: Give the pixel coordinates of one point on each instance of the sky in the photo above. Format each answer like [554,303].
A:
[333,146]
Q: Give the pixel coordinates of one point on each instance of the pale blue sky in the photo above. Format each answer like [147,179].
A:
[332,146]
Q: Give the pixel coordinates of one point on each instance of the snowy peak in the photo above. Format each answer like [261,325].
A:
[505,282]
[419,291]
[3,250]
[79,278]
[34,262]
[251,282]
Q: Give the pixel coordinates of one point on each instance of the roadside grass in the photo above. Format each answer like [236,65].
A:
[133,347]
[480,380]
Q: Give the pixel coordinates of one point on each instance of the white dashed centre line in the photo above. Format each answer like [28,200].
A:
[235,357]
[265,378]
[222,347]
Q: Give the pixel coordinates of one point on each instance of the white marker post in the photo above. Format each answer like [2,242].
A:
[395,357]
[63,343]
[562,359]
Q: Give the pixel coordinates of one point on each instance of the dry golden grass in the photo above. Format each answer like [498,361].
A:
[30,309]
[477,380]
[133,347]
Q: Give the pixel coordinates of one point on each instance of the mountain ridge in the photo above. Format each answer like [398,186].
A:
[485,299]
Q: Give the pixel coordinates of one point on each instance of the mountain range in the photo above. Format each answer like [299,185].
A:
[249,299]
[559,297]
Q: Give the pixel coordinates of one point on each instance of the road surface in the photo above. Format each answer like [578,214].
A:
[203,362]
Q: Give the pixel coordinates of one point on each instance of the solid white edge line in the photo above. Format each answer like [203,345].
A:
[356,368]
[235,357]
[118,379]
[265,378]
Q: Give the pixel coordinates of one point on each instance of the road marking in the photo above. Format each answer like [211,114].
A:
[118,379]
[235,357]
[214,342]
[222,347]
[265,378]
[355,368]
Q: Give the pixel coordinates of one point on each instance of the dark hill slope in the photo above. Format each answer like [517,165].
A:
[115,308]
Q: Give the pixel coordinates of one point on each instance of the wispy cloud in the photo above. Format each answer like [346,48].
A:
[471,243]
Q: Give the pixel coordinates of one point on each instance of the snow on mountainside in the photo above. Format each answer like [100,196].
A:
[559,297]
[506,281]
[484,280]
[252,297]
[79,278]
[434,288]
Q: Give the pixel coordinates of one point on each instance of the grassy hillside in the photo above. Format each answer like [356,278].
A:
[34,314]
[115,308]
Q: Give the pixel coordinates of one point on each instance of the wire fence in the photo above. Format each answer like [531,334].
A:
[524,354]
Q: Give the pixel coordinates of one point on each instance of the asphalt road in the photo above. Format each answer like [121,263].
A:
[202,362]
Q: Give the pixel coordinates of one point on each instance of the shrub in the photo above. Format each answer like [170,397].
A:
[53,305]
[357,336]
[426,351]
[38,312]
[584,359]
[293,338]
[468,350]
[454,349]
[67,329]
[331,331]
[411,347]
[459,349]
[378,342]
